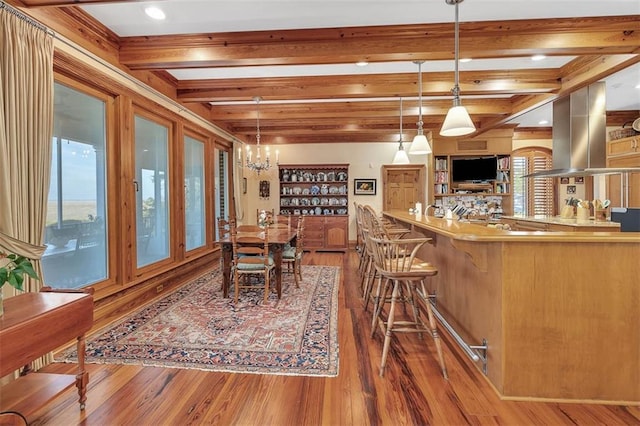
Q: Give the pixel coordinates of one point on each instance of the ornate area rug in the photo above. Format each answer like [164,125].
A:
[195,327]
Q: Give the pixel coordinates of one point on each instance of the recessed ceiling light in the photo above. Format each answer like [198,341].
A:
[154,12]
[463,60]
[362,63]
[638,86]
[538,57]
[543,122]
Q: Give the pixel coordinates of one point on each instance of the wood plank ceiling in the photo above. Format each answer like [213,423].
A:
[364,107]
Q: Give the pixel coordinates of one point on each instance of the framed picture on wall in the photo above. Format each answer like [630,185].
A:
[579,179]
[364,187]
[564,181]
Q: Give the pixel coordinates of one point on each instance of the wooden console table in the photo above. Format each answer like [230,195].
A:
[34,324]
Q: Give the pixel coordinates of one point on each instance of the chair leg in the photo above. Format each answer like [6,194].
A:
[389,327]
[297,272]
[370,280]
[296,279]
[365,273]
[436,337]
[267,287]
[236,284]
[378,302]
[410,297]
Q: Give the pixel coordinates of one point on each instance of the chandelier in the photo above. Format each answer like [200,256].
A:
[401,154]
[420,144]
[258,165]
[457,122]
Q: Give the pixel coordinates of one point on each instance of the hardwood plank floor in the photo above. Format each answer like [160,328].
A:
[412,392]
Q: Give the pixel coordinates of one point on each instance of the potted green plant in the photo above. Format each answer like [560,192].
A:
[12,270]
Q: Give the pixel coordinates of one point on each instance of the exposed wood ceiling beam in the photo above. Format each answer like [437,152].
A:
[566,37]
[361,106]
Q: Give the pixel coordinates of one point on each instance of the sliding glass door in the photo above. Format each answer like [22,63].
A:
[194,196]
[152,191]
[76,226]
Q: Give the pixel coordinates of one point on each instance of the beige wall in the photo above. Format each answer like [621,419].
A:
[365,161]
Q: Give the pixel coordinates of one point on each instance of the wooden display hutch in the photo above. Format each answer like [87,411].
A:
[320,192]
[479,195]
[624,191]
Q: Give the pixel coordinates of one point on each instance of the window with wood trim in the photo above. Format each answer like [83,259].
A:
[532,196]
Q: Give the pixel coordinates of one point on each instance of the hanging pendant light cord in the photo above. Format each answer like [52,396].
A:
[257,99]
[400,140]
[456,38]
[420,123]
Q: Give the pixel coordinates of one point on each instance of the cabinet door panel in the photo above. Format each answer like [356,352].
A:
[336,233]
[619,194]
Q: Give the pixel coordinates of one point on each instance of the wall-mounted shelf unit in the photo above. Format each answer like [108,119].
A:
[481,182]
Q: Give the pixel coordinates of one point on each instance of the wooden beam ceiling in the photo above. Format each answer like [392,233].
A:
[364,107]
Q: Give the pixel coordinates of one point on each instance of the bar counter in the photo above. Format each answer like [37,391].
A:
[559,311]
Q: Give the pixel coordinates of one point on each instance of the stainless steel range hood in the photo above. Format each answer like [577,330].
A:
[579,135]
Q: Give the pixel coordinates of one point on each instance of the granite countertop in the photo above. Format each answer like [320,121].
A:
[562,221]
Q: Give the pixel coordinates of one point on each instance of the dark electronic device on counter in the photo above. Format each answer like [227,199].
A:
[628,218]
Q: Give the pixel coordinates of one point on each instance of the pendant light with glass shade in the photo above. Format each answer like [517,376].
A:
[420,144]
[457,122]
[401,155]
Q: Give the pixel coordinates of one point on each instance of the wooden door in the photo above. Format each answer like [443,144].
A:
[403,186]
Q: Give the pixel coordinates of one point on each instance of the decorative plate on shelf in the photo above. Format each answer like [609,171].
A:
[315,190]
[342,176]
[315,201]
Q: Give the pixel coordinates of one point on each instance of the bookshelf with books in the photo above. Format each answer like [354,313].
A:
[503,175]
[479,182]
[441,176]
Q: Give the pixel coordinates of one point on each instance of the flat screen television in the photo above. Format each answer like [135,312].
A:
[474,169]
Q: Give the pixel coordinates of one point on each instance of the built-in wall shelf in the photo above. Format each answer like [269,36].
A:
[480,182]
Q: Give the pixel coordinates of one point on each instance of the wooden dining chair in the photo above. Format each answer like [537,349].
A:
[252,266]
[224,231]
[224,227]
[292,256]
[282,221]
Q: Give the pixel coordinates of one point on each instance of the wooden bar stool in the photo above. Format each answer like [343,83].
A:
[401,279]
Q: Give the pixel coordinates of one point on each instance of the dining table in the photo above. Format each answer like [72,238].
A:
[277,237]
